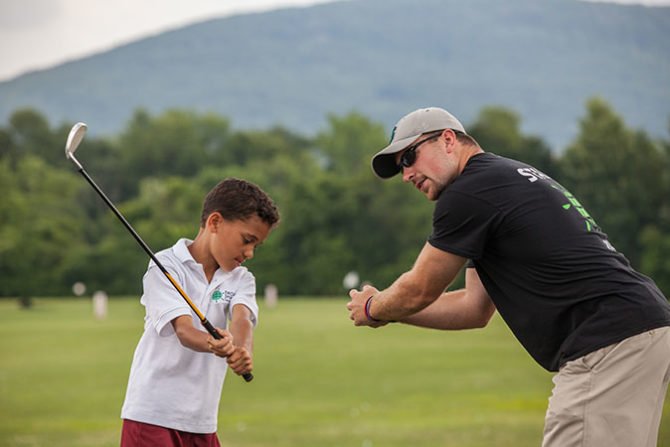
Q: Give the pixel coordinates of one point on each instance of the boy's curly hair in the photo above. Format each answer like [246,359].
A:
[239,199]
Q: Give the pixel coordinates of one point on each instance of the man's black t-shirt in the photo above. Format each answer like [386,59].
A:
[558,283]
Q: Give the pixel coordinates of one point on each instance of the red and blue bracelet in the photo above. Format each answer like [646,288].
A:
[366,309]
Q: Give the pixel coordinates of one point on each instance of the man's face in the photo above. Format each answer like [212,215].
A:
[434,165]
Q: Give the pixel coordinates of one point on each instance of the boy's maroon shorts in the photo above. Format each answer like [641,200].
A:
[139,434]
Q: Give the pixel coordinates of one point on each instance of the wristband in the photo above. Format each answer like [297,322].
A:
[366,309]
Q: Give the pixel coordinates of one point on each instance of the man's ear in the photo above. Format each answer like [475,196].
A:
[449,138]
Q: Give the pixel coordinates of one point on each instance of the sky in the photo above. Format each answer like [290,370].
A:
[38,34]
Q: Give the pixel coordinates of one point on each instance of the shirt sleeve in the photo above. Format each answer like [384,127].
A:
[462,224]
[162,302]
[246,295]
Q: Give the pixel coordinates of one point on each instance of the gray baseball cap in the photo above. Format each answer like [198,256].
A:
[408,129]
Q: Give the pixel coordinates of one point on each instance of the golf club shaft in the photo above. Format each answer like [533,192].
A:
[205,323]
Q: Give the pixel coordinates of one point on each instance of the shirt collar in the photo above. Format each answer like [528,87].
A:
[181,251]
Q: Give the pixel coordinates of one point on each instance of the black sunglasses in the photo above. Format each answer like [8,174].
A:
[408,157]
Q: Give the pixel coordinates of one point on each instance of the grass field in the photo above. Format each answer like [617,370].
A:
[319,381]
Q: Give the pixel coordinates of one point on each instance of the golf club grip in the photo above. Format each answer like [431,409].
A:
[248,377]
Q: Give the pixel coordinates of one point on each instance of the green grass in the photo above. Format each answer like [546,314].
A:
[319,381]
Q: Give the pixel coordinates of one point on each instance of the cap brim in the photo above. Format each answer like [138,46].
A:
[383,162]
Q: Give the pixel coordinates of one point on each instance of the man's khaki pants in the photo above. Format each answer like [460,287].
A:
[612,397]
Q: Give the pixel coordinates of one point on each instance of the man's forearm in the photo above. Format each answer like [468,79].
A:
[445,313]
[402,299]
[453,311]
[430,276]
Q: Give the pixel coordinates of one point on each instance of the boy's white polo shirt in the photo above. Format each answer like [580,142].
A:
[171,385]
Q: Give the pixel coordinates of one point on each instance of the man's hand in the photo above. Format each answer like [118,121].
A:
[223,347]
[357,307]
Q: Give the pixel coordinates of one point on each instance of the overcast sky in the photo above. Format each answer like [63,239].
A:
[36,34]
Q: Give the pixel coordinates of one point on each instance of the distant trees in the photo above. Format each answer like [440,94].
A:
[41,226]
[336,216]
[498,130]
[619,175]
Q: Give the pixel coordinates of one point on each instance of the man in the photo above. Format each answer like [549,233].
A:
[536,256]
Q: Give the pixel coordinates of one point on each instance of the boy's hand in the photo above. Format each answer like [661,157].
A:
[223,347]
[240,361]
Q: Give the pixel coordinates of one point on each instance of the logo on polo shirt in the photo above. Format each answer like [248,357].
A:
[225,296]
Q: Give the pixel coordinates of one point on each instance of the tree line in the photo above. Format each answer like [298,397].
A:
[336,216]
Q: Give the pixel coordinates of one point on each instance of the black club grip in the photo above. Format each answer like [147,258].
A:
[248,377]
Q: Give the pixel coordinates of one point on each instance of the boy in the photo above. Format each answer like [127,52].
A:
[178,369]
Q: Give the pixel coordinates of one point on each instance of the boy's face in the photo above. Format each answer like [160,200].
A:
[234,241]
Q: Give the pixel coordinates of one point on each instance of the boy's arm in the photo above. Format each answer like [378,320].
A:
[242,328]
[197,340]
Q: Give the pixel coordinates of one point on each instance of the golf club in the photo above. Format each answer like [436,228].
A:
[73,140]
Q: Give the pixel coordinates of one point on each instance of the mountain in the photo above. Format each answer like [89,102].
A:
[382,58]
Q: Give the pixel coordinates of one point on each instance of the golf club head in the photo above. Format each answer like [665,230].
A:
[74,138]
